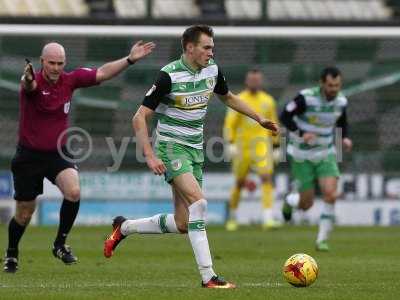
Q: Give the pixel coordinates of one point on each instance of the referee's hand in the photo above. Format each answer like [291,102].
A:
[140,50]
[29,73]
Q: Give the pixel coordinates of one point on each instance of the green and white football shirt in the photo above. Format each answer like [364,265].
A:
[180,98]
[311,112]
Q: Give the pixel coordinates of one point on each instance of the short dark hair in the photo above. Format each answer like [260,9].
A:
[192,34]
[332,71]
[254,70]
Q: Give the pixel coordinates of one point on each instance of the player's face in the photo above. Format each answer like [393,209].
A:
[331,86]
[254,81]
[203,51]
[53,66]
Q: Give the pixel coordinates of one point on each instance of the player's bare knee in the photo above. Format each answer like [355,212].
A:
[329,194]
[266,178]
[73,194]
[330,197]
[23,217]
[240,183]
[305,205]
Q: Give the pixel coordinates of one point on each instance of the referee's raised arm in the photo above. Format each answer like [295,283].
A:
[112,69]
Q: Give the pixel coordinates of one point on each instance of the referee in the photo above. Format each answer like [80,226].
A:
[45,98]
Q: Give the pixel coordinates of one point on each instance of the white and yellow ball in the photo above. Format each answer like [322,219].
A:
[300,270]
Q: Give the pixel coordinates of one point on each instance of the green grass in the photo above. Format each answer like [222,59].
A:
[363,264]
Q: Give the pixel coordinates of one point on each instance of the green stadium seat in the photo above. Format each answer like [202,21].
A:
[105,92]
[356,50]
[274,51]
[99,48]
[96,121]
[141,75]
[26,46]
[385,67]
[305,74]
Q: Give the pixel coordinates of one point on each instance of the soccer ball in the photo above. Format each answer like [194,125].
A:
[300,270]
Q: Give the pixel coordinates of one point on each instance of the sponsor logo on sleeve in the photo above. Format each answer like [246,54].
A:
[151,90]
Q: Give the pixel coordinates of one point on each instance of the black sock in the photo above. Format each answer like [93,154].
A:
[68,213]
[15,232]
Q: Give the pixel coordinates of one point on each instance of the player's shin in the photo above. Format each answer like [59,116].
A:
[68,212]
[15,232]
[234,199]
[326,221]
[267,200]
[161,223]
[198,239]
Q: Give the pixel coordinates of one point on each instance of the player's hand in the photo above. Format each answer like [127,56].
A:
[29,73]
[140,50]
[267,124]
[156,165]
[348,144]
[309,137]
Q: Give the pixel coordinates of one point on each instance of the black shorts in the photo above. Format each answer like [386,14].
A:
[30,167]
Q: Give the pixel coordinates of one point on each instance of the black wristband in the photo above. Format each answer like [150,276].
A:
[131,62]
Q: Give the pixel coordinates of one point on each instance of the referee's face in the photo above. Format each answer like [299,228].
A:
[203,51]
[53,65]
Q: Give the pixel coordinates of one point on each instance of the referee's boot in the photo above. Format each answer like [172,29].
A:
[11,261]
[64,253]
[10,264]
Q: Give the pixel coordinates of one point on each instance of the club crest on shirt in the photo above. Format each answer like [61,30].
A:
[67,105]
[210,82]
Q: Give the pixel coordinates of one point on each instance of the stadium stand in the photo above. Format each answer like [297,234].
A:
[131,8]
[306,10]
[76,8]
[328,9]
[175,9]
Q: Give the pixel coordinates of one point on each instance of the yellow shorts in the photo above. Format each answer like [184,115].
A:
[259,159]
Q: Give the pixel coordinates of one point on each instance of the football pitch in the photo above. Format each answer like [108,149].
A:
[364,264]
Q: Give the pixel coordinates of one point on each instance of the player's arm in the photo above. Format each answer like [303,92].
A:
[139,124]
[295,107]
[153,97]
[112,69]
[233,101]
[28,81]
[291,109]
[343,125]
